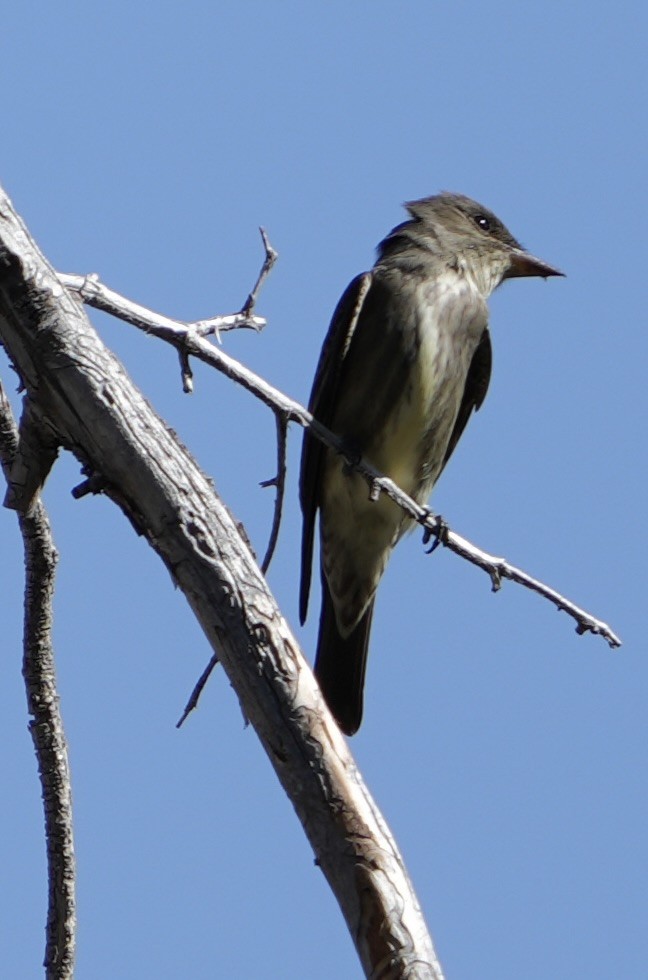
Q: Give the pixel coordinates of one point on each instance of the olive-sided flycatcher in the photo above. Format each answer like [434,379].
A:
[406,360]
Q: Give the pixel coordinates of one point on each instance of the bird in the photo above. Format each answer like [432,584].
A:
[406,361]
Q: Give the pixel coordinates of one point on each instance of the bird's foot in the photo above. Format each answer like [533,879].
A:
[439,532]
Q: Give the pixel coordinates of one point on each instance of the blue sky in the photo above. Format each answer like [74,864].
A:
[508,755]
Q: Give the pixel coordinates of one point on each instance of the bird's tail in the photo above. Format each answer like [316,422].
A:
[340,664]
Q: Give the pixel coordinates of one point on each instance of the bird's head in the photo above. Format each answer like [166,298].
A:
[464,235]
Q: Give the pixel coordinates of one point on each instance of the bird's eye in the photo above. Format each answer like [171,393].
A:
[483,222]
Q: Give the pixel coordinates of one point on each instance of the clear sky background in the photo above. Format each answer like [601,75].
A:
[147,143]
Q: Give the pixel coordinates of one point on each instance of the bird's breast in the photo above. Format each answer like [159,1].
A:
[412,444]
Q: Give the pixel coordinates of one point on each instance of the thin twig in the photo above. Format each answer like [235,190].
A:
[270,258]
[186,373]
[197,691]
[246,319]
[182,336]
[278,481]
[93,292]
[46,724]
[499,568]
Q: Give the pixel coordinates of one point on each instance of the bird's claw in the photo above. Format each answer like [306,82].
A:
[439,533]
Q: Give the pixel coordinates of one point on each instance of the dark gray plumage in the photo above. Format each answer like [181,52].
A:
[406,361]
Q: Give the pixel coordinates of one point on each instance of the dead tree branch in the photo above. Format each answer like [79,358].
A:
[199,687]
[278,481]
[46,723]
[186,340]
[91,407]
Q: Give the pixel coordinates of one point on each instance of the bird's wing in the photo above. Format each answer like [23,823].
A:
[322,404]
[477,381]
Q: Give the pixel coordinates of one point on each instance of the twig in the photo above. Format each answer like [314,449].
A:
[186,373]
[278,481]
[93,292]
[185,337]
[197,691]
[270,258]
[46,724]
[499,568]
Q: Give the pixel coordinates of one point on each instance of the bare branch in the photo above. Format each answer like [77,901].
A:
[94,293]
[185,338]
[197,691]
[46,724]
[499,568]
[186,373]
[35,454]
[270,258]
[278,481]
[96,412]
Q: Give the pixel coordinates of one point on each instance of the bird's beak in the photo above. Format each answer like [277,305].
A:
[523,264]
